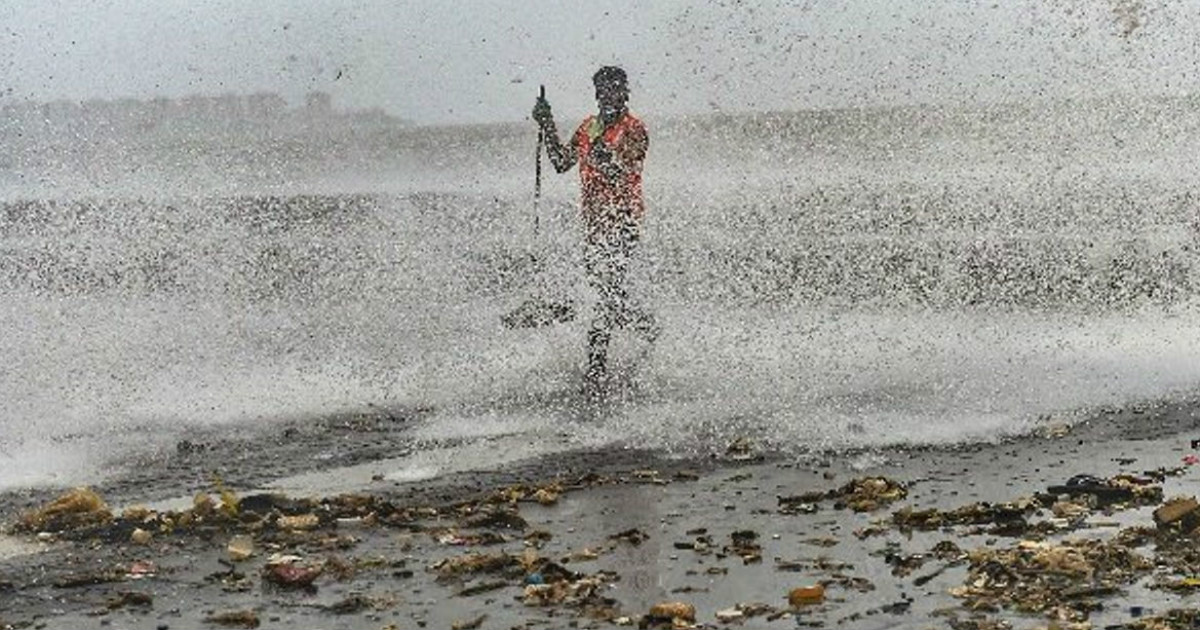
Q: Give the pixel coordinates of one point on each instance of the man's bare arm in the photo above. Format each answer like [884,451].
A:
[562,156]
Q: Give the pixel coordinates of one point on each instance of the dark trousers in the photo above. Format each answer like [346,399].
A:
[606,259]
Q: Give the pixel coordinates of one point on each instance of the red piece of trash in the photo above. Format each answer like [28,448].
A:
[1191,460]
[291,574]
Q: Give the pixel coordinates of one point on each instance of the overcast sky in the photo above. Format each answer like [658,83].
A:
[451,61]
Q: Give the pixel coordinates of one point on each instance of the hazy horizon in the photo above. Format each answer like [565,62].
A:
[480,62]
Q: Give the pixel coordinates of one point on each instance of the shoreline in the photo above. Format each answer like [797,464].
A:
[388,571]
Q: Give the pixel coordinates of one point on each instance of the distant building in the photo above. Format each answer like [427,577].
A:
[265,106]
[126,115]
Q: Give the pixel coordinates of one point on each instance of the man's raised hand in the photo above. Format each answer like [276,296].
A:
[541,112]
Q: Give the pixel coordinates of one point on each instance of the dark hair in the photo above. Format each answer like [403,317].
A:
[610,75]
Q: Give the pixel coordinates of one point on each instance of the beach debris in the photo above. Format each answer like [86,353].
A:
[339,568]
[1181,586]
[1161,473]
[88,578]
[671,614]
[141,569]
[1181,512]
[141,536]
[456,538]
[1055,431]
[231,580]
[904,564]
[583,555]
[1053,579]
[742,449]
[806,595]
[469,624]
[234,619]
[138,513]
[1071,509]
[537,538]
[240,547]
[864,533]
[1008,517]
[547,496]
[129,598]
[483,587]
[291,571]
[75,509]
[1118,489]
[203,506]
[563,587]
[495,518]
[351,604]
[822,563]
[864,494]
[759,609]
[229,501]
[744,543]
[633,536]
[1175,619]
[1191,459]
[298,522]
[730,615]
[701,544]
[472,563]
[798,507]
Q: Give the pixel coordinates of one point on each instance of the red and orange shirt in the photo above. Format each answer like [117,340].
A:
[608,203]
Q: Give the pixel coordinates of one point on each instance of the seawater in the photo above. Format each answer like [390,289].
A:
[825,279]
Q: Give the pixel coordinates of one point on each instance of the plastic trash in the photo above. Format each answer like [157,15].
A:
[806,595]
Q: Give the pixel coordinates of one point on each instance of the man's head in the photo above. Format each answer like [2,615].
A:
[612,92]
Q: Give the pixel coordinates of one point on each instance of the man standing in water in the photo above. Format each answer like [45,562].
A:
[610,148]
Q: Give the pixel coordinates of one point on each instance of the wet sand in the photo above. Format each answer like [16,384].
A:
[618,530]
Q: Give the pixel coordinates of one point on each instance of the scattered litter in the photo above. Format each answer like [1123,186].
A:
[1180,511]
[671,612]
[744,543]
[141,569]
[806,595]
[1045,577]
[468,625]
[240,547]
[234,619]
[129,598]
[742,450]
[291,571]
[75,509]
[1009,515]
[476,563]
[496,518]
[1119,489]
[861,495]
[299,522]
[634,536]
[547,495]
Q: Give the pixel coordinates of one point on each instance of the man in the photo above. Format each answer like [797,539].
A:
[610,148]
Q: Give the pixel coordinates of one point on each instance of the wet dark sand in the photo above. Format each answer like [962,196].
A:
[380,574]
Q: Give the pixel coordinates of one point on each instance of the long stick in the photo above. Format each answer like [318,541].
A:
[537,174]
